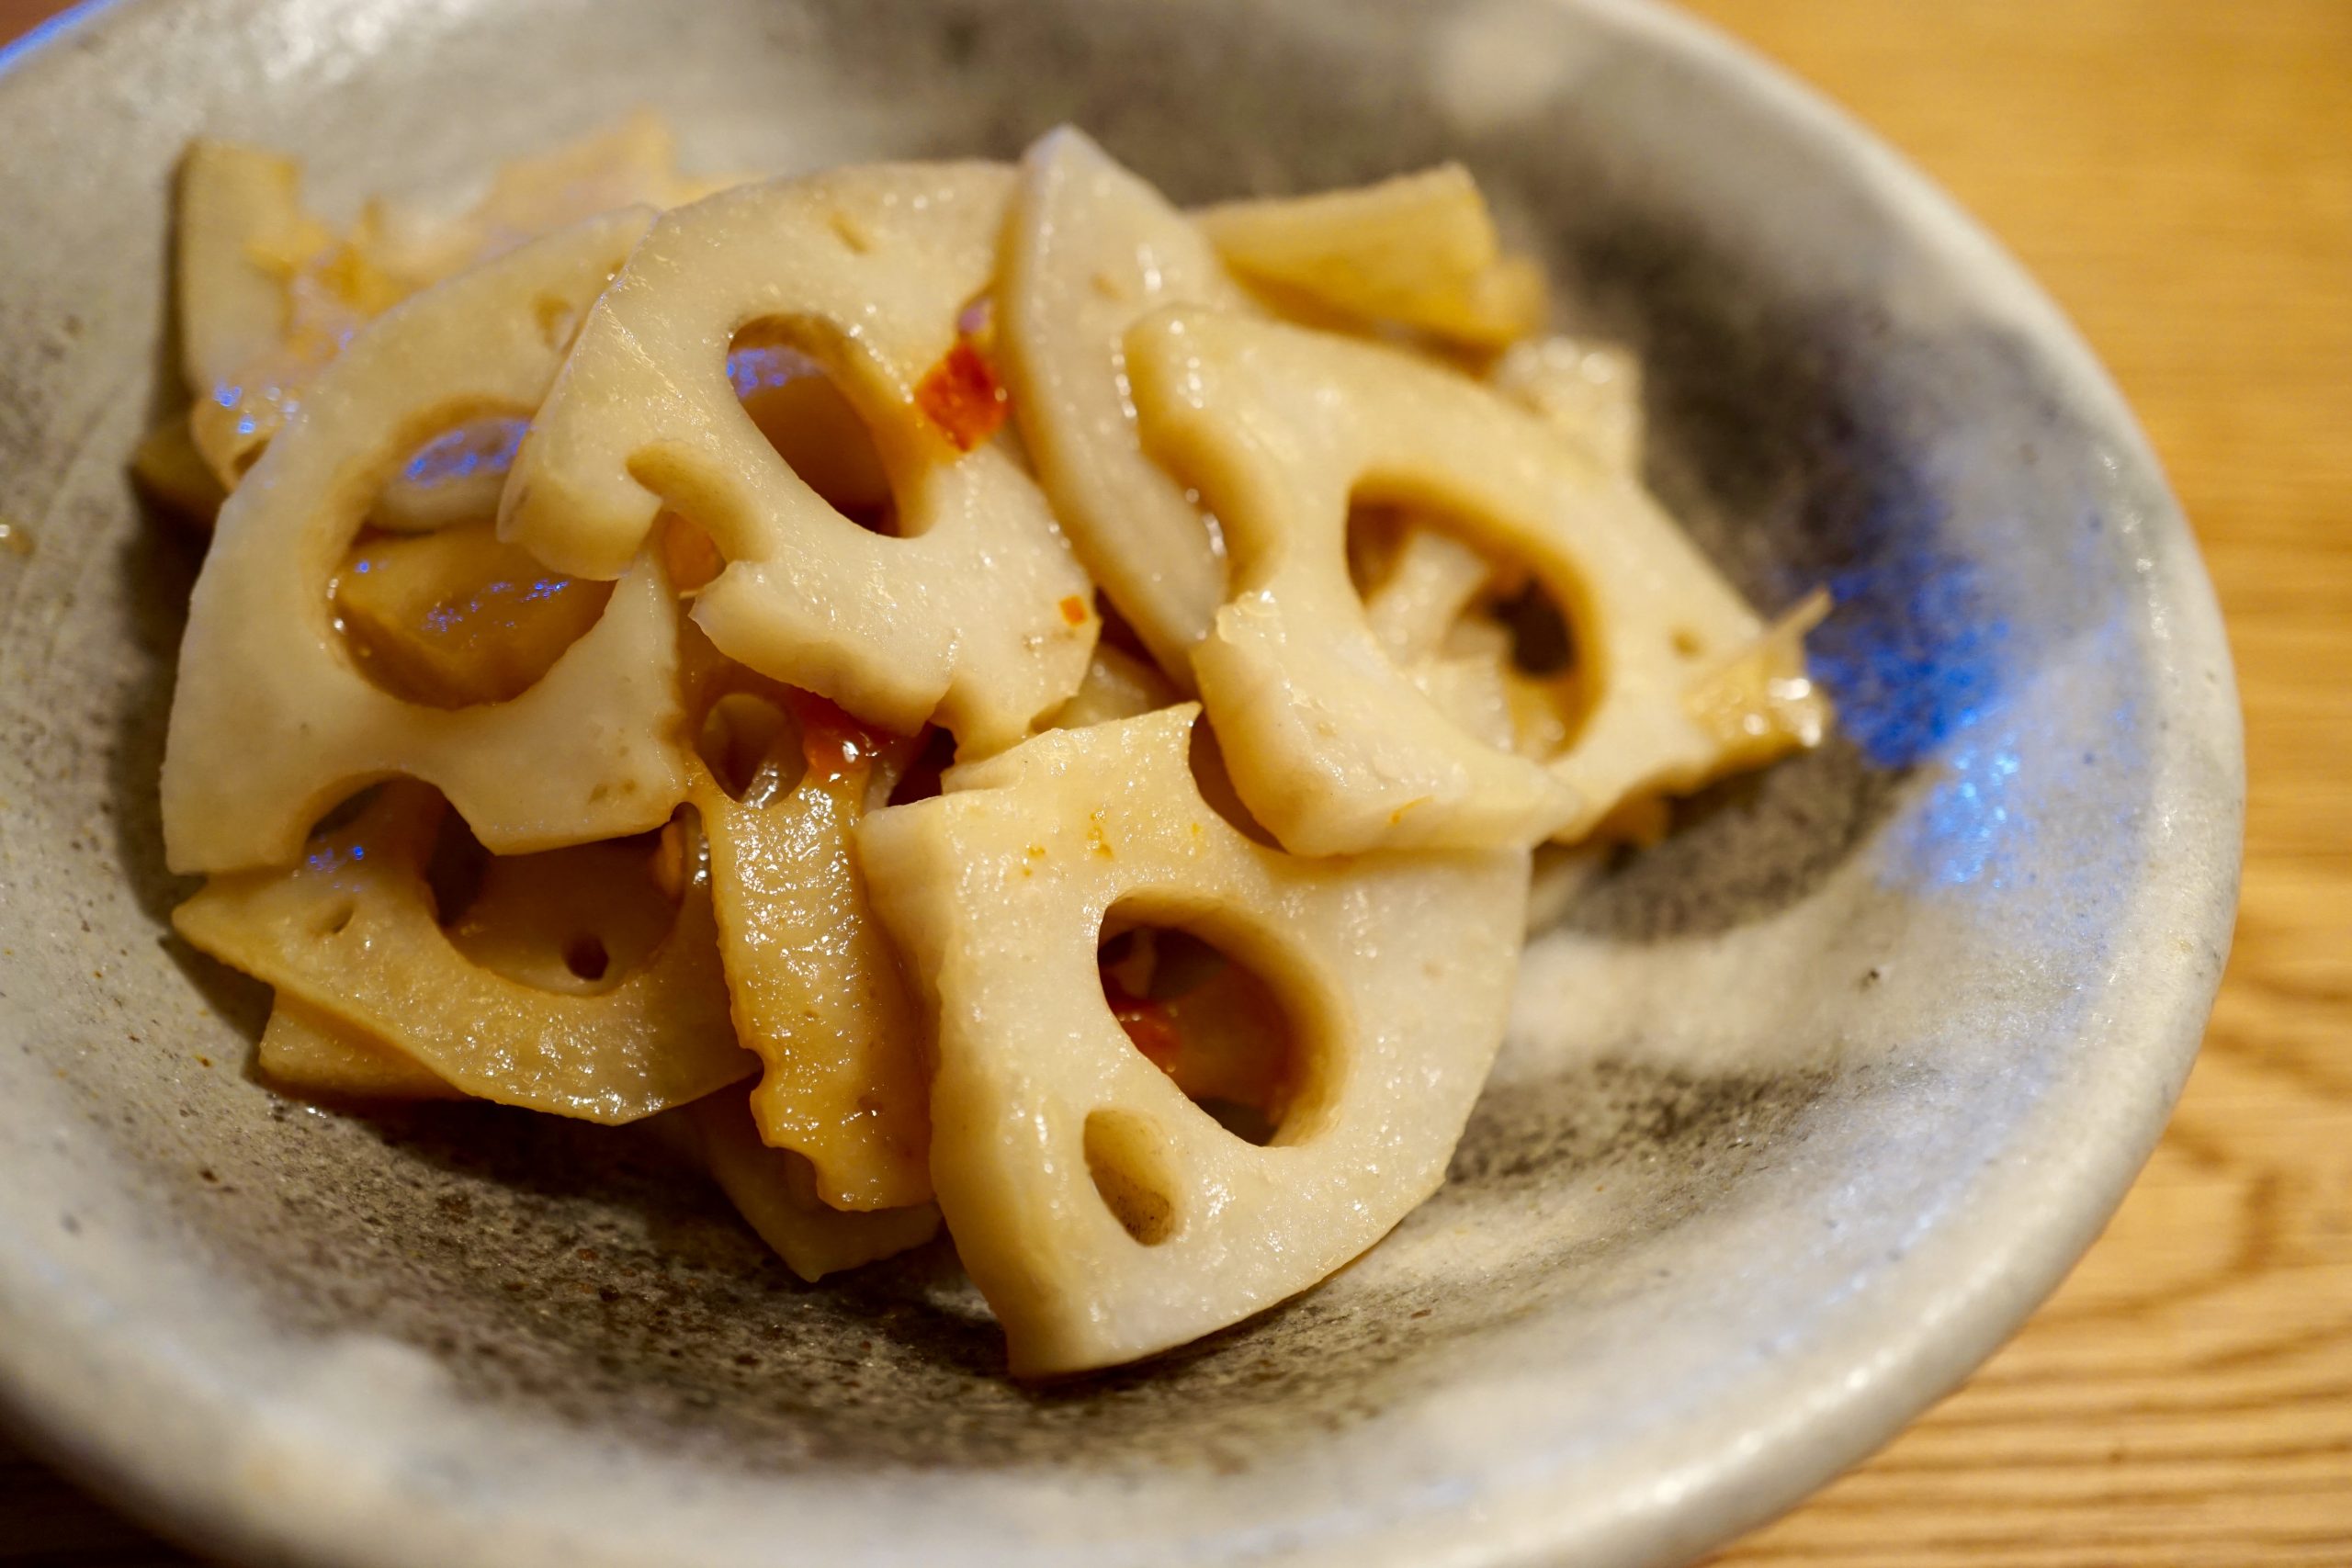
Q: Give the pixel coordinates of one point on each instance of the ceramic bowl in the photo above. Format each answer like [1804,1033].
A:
[1800,1114]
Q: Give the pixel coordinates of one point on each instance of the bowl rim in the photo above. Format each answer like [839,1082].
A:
[2001,1266]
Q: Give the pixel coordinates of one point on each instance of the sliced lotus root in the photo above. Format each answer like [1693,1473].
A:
[775,1192]
[1103,1214]
[976,613]
[1088,251]
[311,1053]
[351,933]
[275,721]
[1328,740]
[1418,250]
[817,989]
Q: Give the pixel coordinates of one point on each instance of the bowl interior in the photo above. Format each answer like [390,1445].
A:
[1798,1112]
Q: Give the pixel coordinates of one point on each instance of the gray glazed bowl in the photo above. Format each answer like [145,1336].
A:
[1800,1115]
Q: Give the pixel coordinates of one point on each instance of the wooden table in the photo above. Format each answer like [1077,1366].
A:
[2180,174]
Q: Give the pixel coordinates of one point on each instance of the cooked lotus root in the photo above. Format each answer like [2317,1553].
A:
[1089,250]
[817,989]
[274,721]
[977,613]
[1102,1214]
[775,1192]
[351,934]
[1328,742]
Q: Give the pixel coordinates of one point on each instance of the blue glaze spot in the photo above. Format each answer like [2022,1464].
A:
[1911,653]
[1972,823]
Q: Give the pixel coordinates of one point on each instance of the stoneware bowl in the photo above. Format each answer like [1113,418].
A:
[1799,1116]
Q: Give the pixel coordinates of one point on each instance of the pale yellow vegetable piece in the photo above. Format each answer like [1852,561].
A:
[1590,392]
[309,1052]
[816,986]
[775,1192]
[1385,240]
[1088,251]
[1501,305]
[1102,1214]
[460,616]
[1413,611]
[1328,743]
[1474,692]
[966,615]
[1429,587]
[350,934]
[1761,702]
[240,212]
[274,722]
[1117,685]
[451,481]
[1489,695]
[1418,250]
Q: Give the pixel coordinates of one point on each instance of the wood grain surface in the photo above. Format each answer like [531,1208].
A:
[2180,174]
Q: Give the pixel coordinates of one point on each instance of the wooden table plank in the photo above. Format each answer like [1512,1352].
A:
[2180,174]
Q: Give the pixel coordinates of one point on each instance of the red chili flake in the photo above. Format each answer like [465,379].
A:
[835,744]
[961,395]
[1074,610]
[1148,1023]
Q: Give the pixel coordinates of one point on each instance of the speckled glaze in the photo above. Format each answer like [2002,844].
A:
[1799,1116]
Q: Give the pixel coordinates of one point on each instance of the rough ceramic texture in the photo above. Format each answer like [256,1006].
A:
[1799,1116]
